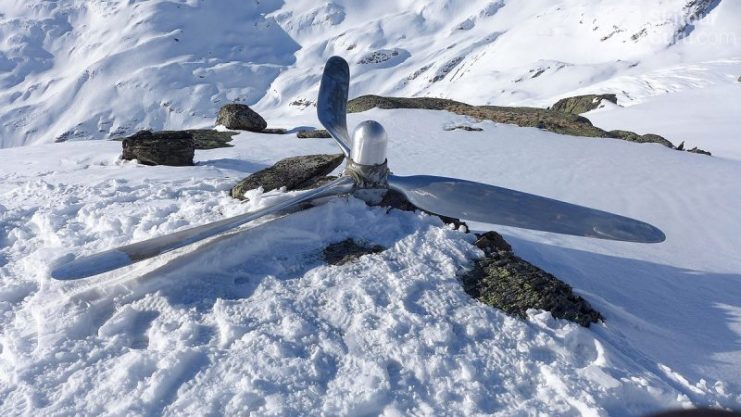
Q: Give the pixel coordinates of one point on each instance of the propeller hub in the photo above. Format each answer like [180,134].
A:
[369,143]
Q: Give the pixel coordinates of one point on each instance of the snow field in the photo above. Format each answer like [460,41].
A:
[254,321]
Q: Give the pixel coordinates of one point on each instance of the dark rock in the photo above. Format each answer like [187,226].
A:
[693,150]
[396,200]
[634,137]
[161,148]
[203,138]
[492,242]
[316,182]
[699,151]
[292,173]
[275,131]
[583,104]
[513,285]
[240,117]
[463,127]
[313,134]
[211,139]
[348,251]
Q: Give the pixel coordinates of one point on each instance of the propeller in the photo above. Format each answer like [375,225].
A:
[130,254]
[367,176]
[484,203]
[332,105]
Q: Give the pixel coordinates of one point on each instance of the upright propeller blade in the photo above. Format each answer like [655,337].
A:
[130,254]
[332,105]
[489,204]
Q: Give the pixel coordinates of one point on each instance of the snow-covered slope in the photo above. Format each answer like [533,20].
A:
[255,322]
[96,69]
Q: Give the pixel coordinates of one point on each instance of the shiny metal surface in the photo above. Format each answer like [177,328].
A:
[130,254]
[332,105]
[369,143]
[489,204]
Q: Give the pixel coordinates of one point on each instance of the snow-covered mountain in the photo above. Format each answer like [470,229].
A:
[73,70]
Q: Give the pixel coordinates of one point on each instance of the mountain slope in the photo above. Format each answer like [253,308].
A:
[73,70]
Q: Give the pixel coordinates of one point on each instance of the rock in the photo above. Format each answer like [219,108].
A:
[463,127]
[240,117]
[275,131]
[293,173]
[348,251]
[211,139]
[635,137]
[203,138]
[552,121]
[492,242]
[396,200]
[699,151]
[549,120]
[161,148]
[502,280]
[313,134]
[583,104]
[693,150]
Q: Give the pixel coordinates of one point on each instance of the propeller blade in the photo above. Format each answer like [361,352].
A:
[489,204]
[332,105]
[130,254]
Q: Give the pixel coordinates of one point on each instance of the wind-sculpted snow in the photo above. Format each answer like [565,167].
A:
[255,322]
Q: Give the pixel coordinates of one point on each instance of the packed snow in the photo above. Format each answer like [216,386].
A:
[255,322]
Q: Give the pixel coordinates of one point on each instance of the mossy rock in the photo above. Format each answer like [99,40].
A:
[313,134]
[160,148]
[299,172]
[504,281]
[583,104]
[635,137]
[348,251]
[552,121]
[211,139]
[202,138]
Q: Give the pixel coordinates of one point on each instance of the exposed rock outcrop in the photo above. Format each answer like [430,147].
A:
[348,251]
[275,131]
[160,148]
[583,104]
[553,121]
[211,139]
[313,134]
[513,285]
[240,117]
[545,119]
[634,137]
[293,173]
[467,128]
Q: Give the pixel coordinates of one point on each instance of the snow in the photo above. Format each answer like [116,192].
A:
[255,322]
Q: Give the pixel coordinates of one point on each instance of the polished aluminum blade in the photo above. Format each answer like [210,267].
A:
[489,204]
[130,254]
[332,105]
